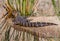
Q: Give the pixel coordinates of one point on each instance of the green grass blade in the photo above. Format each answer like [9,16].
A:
[23,6]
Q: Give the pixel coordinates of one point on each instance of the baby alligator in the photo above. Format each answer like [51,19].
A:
[19,20]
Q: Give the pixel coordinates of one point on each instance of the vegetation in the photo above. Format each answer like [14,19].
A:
[23,6]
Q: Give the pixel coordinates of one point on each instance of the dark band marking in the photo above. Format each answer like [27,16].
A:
[26,23]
